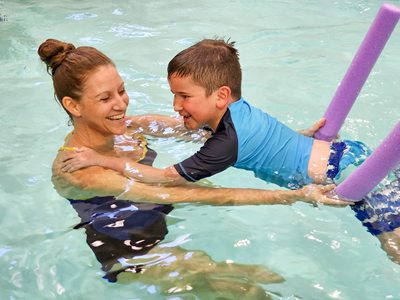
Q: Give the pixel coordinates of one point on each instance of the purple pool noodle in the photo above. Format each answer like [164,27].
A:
[356,75]
[379,164]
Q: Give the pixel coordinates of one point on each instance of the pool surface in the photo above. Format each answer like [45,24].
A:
[293,55]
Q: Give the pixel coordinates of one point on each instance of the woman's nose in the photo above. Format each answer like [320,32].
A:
[121,102]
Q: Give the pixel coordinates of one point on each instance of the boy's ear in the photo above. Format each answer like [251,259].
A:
[72,106]
[223,96]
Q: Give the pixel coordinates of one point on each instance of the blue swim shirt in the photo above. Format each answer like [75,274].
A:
[248,138]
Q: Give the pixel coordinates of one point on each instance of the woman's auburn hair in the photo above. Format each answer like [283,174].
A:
[70,67]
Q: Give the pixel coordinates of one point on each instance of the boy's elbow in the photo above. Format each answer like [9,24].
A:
[173,178]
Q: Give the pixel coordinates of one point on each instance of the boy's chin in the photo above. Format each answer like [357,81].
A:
[189,127]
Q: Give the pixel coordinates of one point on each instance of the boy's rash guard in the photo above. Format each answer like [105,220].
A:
[248,138]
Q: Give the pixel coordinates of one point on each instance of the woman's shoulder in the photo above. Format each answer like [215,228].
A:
[84,183]
[68,185]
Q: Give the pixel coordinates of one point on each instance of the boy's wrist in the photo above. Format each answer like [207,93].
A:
[101,161]
[111,163]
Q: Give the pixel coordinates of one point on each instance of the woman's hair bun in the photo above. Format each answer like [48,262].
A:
[53,53]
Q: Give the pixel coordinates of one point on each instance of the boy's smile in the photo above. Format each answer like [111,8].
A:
[191,102]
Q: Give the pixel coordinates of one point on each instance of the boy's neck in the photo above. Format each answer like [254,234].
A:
[221,114]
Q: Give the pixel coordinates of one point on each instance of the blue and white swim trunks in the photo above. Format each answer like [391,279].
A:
[343,154]
[380,210]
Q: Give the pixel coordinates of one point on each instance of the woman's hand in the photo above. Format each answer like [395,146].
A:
[317,193]
[80,158]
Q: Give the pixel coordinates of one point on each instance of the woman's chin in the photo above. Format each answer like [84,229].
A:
[120,131]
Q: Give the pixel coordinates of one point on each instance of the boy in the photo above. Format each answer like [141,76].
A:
[206,82]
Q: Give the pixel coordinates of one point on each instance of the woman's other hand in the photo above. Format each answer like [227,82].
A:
[310,131]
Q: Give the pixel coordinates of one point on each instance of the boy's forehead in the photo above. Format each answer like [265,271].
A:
[186,84]
[176,75]
[181,80]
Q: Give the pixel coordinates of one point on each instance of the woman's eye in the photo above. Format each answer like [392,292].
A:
[105,99]
[122,92]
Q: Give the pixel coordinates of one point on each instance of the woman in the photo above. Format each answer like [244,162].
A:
[89,88]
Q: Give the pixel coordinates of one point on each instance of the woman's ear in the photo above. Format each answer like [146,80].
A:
[223,96]
[72,106]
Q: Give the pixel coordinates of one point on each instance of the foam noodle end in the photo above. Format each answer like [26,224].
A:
[391,7]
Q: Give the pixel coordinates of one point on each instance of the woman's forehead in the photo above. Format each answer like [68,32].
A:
[104,77]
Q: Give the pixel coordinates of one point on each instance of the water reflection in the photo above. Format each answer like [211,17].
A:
[125,237]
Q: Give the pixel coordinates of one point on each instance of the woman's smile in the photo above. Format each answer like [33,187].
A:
[117,118]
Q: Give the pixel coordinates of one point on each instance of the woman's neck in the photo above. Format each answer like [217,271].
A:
[85,137]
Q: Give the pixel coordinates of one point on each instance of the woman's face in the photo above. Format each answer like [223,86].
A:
[104,102]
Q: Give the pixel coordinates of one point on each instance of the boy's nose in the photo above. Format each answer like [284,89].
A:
[177,104]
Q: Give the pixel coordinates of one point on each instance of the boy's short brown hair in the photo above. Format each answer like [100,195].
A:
[211,63]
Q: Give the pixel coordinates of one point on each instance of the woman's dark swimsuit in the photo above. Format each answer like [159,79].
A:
[117,229]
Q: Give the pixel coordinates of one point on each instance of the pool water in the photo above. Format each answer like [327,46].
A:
[293,55]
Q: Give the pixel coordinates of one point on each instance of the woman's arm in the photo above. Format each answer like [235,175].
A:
[310,131]
[97,181]
[165,126]
[153,124]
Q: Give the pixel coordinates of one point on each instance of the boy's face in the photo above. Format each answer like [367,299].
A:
[193,105]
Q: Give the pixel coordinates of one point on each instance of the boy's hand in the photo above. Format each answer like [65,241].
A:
[81,158]
[314,192]
[310,131]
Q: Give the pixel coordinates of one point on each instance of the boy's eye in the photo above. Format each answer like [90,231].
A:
[122,92]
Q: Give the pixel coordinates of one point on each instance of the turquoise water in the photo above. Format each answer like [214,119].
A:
[293,55]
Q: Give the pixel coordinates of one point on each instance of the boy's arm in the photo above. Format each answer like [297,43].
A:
[72,161]
[218,153]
